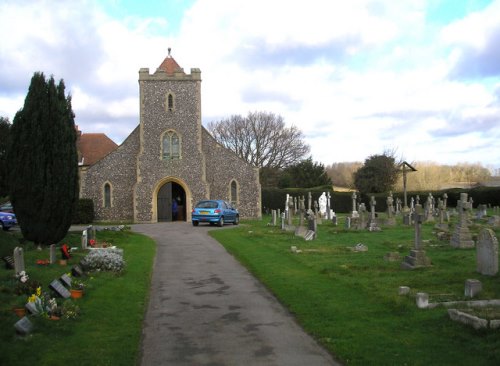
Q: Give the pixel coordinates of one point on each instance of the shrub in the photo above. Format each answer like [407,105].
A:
[104,260]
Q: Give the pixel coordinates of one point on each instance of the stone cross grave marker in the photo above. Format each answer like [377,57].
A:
[309,201]
[462,237]
[59,288]
[18,260]
[354,211]
[487,253]
[52,254]
[273,219]
[417,257]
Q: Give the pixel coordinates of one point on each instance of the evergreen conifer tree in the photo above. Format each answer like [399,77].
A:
[43,162]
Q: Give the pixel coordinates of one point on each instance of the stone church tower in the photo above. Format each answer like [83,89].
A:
[170,155]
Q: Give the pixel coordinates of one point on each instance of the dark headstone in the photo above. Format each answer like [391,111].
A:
[24,326]
[66,280]
[9,262]
[77,271]
[59,288]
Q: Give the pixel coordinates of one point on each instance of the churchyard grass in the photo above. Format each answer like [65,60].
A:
[108,329]
[349,300]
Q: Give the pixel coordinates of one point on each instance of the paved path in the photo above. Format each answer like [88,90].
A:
[206,309]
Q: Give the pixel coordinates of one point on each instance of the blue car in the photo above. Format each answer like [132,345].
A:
[7,219]
[214,212]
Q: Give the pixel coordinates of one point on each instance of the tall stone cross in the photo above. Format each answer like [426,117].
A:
[417,218]
[373,203]
[309,201]
[354,202]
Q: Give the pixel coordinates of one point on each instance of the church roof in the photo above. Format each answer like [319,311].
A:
[169,65]
[92,147]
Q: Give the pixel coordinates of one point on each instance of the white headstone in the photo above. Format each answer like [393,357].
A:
[52,254]
[18,259]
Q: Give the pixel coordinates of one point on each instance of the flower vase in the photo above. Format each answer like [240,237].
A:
[76,294]
[20,312]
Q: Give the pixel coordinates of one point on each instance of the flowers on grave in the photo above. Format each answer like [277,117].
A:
[92,243]
[110,259]
[25,285]
[69,310]
[42,262]
[43,304]
[65,251]
[22,276]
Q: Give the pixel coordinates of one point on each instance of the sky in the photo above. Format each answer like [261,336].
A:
[357,77]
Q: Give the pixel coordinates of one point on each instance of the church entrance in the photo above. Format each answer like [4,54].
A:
[171,203]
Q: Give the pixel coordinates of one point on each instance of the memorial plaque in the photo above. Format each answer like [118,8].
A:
[77,271]
[59,288]
[24,326]
[66,280]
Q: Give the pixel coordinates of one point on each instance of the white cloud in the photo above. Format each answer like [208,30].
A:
[357,77]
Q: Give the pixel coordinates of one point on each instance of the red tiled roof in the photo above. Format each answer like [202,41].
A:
[169,65]
[92,147]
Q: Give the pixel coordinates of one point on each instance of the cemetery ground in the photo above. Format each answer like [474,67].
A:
[349,300]
[107,330]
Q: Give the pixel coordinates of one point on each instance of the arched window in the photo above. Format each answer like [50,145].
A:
[170,102]
[171,145]
[107,195]
[234,193]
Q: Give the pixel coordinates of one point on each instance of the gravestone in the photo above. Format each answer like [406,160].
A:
[309,201]
[23,326]
[399,207]
[462,237]
[273,219]
[77,271]
[487,253]
[472,288]
[66,280]
[9,262]
[373,225]
[290,213]
[441,225]
[52,254]
[494,221]
[361,220]
[334,219]
[417,257]
[407,219]
[59,288]
[84,239]
[354,211]
[328,209]
[404,290]
[422,300]
[18,260]
[481,211]
[347,224]
[429,208]
[391,220]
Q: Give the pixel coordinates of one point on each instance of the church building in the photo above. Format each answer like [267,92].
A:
[169,156]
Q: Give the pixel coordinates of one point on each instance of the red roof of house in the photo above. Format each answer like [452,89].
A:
[92,147]
[169,65]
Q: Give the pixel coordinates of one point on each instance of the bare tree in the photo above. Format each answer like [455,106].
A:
[342,174]
[261,139]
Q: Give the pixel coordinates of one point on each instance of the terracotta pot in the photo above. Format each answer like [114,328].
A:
[63,262]
[20,312]
[54,317]
[76,294]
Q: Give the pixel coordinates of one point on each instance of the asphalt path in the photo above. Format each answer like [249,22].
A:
[207,309]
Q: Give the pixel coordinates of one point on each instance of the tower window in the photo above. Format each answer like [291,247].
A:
[234,193]
[170,102]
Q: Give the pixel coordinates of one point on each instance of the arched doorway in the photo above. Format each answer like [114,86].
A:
[168,193]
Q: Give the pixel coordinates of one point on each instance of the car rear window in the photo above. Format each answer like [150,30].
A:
[207,204]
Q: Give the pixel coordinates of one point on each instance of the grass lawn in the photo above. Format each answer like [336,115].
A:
[108,329]
[349,300]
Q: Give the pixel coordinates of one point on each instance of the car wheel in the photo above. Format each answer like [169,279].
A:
[221,222]
[236,220]
[4,228]
[195,223]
